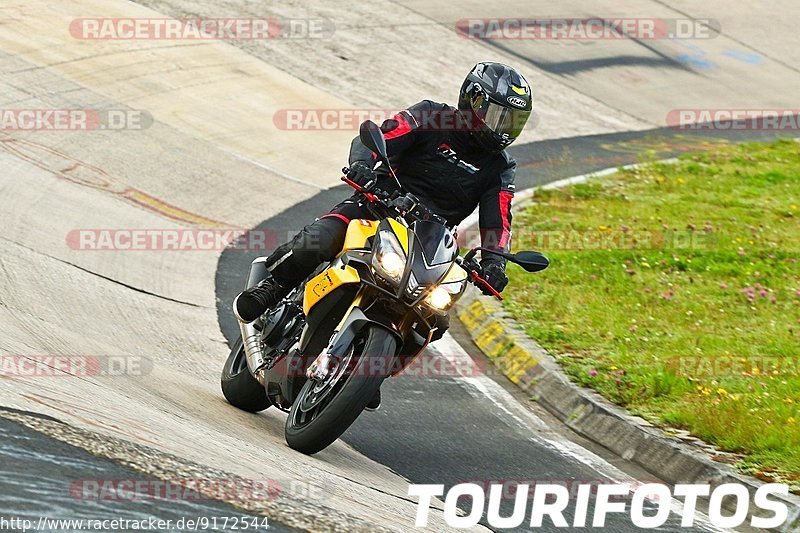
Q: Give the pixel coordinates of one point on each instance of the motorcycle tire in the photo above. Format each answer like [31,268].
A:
[239,386]
[353,394]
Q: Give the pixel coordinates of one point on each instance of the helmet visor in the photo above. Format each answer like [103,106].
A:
[504,121]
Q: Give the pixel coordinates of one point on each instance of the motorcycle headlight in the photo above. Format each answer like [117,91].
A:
[389,259]
[444,296]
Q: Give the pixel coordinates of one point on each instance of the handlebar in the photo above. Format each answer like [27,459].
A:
[369,196]
[404,206]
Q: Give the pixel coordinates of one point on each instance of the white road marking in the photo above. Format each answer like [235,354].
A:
[482,386]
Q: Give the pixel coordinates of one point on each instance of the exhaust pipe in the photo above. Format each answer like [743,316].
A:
[251,337]
[251,340]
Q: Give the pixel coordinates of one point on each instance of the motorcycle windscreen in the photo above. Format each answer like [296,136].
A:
[432,255]
[437,242]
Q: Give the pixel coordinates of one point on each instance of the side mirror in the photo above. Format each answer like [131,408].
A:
[530,261]
[372,137]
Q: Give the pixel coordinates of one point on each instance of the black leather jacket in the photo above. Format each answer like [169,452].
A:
[434,158]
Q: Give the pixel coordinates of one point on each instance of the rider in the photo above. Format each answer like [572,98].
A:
[453,160]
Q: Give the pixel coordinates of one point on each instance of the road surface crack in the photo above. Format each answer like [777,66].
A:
[107,278]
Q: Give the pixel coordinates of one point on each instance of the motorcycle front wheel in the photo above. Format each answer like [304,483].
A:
[324,410]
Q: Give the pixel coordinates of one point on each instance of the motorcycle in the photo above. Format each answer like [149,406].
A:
[323,352]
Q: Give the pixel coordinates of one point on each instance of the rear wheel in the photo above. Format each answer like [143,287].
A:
[323,411]
[239,386]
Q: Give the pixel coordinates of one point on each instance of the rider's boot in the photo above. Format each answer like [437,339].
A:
[254,302]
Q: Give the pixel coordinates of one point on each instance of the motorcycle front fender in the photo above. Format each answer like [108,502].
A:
[353,325]
[289,374]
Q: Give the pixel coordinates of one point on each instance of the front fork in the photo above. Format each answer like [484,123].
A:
[320,368]
[327,362]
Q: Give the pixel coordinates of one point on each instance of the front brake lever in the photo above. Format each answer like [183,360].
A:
[475,271]
[478,280]
[368,195]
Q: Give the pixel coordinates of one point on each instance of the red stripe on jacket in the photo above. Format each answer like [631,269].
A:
[337,215]
[505,208]
[402,128]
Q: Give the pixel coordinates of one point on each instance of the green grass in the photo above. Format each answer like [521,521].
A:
[699,268]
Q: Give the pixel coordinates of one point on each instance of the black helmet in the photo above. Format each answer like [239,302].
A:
[497,101]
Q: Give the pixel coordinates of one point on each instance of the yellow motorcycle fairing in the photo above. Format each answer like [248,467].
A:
[359,230]
[333,277]
[325,283]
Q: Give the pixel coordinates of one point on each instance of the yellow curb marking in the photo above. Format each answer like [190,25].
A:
[510,358]
[473,316]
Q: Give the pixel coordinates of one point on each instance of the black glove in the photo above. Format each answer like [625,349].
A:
[363,175]
[495,273]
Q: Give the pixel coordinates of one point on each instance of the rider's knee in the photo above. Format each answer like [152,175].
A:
[322,240]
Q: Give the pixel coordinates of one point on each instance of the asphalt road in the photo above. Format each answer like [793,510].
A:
[43,477]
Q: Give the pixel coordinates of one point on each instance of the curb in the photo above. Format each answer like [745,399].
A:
[532,369]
